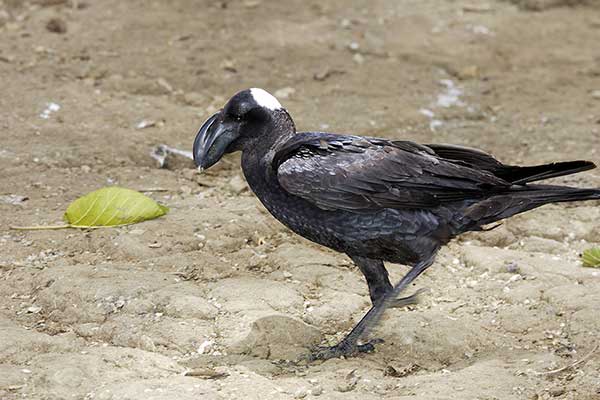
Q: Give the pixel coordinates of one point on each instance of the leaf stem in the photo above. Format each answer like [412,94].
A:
[40,227]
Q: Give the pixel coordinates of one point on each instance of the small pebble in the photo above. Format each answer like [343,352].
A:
[358,58]
[556,392]
[596,94]
[477,8]
[251,3]
[300,393]
[13,199]
[145,123]
[512,267]
[469,72]
[316,391]
[162,82]
[56,25]
[285,92]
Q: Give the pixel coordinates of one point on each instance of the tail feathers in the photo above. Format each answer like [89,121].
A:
[521,199]
[523,175]
[544,194]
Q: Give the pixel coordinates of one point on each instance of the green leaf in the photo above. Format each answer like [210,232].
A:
[591,257]
[112,206]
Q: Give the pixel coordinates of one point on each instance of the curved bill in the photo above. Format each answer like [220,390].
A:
[210,143]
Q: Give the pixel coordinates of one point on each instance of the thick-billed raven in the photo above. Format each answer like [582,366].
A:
[374,199]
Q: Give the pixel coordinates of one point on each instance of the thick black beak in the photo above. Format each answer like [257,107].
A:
[212,141]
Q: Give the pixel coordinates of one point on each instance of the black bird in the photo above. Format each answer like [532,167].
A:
[374,199]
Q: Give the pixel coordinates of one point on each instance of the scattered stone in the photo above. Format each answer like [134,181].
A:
[542,5]
[450,96]
[145,123]
[206,373]
[316,391]
[469,72]
[34,309]
[162,82]
[300,393]
[285,92]
[477,8]
[13,199]
[172,158]
[353,46]
[56,25]
[393,372]
[512,267]
[557,392]
[596,94]
[358,58]
[251,3]
[326,73]
[480,30]
[205,346]
[345,23]
[146,343]
[229,66]
[51,107]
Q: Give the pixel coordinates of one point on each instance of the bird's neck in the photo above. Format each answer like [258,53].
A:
[257,157]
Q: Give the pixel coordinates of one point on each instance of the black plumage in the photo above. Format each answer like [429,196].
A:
[374,199]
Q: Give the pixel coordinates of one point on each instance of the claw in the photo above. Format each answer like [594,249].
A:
[343,349]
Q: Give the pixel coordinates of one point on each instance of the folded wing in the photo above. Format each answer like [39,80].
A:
[361,174]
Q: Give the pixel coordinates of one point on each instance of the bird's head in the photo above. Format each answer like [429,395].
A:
[248,116]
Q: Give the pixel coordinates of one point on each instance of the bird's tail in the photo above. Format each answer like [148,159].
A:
[520,199]
[522,175]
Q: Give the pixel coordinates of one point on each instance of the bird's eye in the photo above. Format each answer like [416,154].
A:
[238,118]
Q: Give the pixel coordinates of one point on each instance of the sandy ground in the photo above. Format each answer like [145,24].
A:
[207,301]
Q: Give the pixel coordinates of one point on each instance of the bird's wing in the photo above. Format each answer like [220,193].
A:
[363,174]
[471,157]
[516,175]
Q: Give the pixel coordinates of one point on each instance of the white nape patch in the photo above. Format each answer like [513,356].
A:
[265,99]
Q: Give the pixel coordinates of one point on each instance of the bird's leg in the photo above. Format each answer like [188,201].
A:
[376,276]
[349,345]
[379,283]
[408,300]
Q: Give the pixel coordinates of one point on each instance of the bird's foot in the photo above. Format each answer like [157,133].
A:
[343,349]
[409,300]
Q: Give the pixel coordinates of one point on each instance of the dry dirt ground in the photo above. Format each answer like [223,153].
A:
[207,301]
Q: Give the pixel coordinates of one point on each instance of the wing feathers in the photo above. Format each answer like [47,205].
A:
[365,174]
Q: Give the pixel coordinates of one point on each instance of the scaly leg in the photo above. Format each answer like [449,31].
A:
[349,345]
[376,276]
[379,283]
